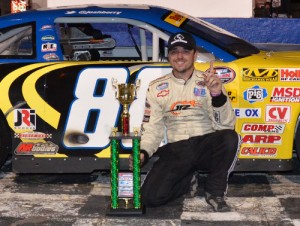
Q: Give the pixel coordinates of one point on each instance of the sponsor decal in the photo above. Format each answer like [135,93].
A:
[262,139]
[199,92]
[46,27]
[278,113]
[36,148]
[260,75]
[162,86]
[146,118]
[247,112]
[259,151]
[99,12]
[163,93]
[263,128]
[255,94]
[175,19]
[125,184]
[232,94]
[70,12]
[200,83]
[33,135]
[226,74]
[286,94]
[217,116]
[290,75]
[179,106]
[24,119]
[48,38]
[147,112]
[50,56]
[48,47]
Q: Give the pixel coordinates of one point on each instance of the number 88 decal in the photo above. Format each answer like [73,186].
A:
[105,106]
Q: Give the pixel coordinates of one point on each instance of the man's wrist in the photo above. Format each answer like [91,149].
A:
[146,156]
[216,94]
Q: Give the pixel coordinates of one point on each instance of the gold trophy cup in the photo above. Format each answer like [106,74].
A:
[125,186]
[125,93]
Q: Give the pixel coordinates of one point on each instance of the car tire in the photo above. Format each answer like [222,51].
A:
[5,141]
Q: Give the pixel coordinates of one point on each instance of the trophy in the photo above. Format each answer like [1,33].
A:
[125,93]
[125,186]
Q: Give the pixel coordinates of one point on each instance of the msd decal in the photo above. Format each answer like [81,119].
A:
[258,151]
[290,75]
[262,128]
[262,139]
[278,113]
[286,94]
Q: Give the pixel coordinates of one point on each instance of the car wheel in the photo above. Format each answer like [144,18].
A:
[5,141]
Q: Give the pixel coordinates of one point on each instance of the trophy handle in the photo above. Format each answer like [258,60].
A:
[137,86]
[114,83]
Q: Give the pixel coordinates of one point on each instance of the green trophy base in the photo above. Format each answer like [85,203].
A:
[125,210]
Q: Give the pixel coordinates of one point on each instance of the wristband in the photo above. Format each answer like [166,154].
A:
[216,94]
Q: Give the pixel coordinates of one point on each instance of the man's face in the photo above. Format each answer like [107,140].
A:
[182,60]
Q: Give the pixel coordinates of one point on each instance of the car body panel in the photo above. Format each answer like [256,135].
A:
[61,108]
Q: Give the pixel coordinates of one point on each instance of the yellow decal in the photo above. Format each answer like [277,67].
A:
[5,104]
[175,19]
[232,94]
[35,101]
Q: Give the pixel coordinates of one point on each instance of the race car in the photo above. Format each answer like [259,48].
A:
[59,107]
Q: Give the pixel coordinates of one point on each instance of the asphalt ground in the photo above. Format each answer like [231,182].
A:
[83,199]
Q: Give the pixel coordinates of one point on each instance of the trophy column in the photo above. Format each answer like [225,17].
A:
[125,186]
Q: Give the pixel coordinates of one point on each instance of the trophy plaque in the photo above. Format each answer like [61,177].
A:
[125,186]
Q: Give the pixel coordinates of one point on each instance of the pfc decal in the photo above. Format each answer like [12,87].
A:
[48,47]
[286,94]
[36,148]
[162,86]
[25,119]
[226,74]
[163,93]
[260,75]
[232,94]
[247,112]
[258,151]
[278,113]
[290,75]
[255,94]
[263,128]
[262,139]
[33,135]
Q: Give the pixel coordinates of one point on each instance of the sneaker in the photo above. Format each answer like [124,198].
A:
[217,202]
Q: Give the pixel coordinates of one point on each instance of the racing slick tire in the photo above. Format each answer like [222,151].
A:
[5,140]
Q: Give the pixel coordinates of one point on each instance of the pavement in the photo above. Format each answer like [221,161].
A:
[271,199]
